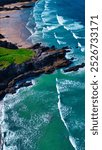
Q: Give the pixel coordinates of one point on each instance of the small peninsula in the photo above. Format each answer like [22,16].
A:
[19,58]
[19,64]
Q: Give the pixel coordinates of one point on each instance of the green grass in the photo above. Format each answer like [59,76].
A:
[10,56]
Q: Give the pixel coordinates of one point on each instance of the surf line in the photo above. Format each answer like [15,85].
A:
[71,139]
[79,44]
[75,36]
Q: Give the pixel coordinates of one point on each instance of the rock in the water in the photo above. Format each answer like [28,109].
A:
[74,68]
[7,16]
[24,84]
[53,47]
[26,6]
[66,47]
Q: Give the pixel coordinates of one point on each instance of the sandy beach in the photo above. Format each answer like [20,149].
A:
[13,27]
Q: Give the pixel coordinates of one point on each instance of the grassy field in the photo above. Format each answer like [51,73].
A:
[10,56]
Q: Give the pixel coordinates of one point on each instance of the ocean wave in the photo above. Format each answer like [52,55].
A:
[60,20]
[61,42]
[70,119]
[47,21]
[77,124]
[81,47]
[58,37]
[60,105]
[74,26]
[10,100]
[69,24]
[77,37]
[63,114]
[73,142]
[79,44]
[25,132]
[9,147]
[52,27]
[68,85]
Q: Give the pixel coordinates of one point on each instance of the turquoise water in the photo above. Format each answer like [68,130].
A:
[50,114]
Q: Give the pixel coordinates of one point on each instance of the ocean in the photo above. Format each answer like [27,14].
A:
[50,115]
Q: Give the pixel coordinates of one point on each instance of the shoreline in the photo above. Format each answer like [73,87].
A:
[46,61]
[17,19]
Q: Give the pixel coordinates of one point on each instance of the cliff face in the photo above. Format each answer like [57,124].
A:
[46,61]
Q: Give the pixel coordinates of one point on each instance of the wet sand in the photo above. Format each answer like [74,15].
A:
[14,27]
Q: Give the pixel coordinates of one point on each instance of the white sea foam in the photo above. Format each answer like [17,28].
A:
[73,26]
[74,35]
[74,124]
[33,125]
[81,47]
[10,100]
[78,124]
[61,42]
[33,82]
[58,37]
[57,87]
[60,105]
[9,147]
[52,27]
[48,15]
[73,142]
[60,20]
[68,85]
[79,44]
[77,37]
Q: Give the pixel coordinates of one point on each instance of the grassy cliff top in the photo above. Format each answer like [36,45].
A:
[10,56]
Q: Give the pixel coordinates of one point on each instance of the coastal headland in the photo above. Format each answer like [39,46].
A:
[19,64]
[19,58]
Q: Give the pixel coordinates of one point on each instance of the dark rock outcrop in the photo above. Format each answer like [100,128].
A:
[74,68]
[9,45]
[46,61]
[26,6]
[36,46]
[7,16]
[1,36]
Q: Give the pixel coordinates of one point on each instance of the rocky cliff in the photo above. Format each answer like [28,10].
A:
[46,61]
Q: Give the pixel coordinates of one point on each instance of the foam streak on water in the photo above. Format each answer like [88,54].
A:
[49,22]
[72,140]
[59,105]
